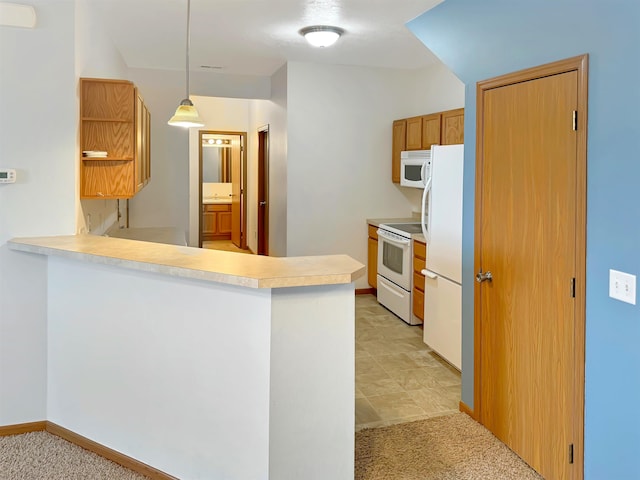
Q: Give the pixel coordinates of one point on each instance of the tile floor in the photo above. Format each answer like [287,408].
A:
[398,378]
[226,245]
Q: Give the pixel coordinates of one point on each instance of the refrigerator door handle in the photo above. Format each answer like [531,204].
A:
[429,274]
[425,193]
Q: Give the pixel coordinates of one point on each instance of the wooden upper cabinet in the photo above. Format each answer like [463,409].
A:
[421,133]
[113,119]
[453,127]
[430,130]
[414,133]
[398,145]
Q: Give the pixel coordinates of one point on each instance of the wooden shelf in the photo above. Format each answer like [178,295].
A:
[94,119]
[113,119]
[106,159]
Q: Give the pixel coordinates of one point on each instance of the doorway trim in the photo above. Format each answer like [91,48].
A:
[243,183]
[578,64]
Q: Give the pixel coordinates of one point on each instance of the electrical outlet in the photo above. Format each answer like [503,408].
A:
[622,286]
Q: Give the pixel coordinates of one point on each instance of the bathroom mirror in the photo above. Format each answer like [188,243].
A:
[216,159]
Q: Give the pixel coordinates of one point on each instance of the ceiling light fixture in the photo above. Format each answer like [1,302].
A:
[186,114]
[321,35]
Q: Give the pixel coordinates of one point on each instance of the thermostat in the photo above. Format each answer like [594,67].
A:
[7,175]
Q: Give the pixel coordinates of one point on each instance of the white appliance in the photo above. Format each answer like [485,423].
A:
[395,268]
[442,228]
[415,168]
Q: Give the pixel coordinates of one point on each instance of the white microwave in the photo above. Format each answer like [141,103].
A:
[415,168]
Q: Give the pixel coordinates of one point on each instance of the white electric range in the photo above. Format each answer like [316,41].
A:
[395,268]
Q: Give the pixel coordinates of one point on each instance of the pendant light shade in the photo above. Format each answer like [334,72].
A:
[186,114]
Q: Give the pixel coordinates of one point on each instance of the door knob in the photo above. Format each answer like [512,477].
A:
[263,204]
[481,277]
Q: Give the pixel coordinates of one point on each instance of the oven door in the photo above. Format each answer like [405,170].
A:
[394,258]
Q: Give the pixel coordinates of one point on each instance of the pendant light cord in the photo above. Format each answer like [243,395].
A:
[188,42]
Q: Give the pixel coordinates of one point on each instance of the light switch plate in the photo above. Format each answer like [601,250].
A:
[622,286]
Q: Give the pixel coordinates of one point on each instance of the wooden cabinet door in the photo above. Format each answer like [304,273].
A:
[453,127]
[431,130]
[398,145]
[372,257]
[414,133]
[419,261]
[208,222]
[224,221]
[140,132]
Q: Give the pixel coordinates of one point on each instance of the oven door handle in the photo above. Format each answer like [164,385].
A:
[403,243]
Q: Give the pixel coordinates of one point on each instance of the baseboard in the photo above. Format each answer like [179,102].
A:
[464,408]
[21,428]
[365,291]
[79,440]
[108,453]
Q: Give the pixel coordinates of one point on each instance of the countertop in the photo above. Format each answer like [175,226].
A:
[216,200]
[377,221]
[252,271]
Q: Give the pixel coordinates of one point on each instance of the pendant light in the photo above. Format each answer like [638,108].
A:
[186,114]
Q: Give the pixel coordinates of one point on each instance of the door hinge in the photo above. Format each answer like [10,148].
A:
[571,453]
[575,120]
[573,287]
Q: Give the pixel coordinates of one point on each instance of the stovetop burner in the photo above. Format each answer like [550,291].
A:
[404,229]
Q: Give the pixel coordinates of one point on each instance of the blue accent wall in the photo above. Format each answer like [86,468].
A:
[478,40]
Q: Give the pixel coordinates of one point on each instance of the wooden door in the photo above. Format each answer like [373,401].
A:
[263,191]
[414,133]
[530,234]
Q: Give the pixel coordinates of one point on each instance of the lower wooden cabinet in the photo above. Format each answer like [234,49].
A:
[216,222]
[419,262]
[372,256]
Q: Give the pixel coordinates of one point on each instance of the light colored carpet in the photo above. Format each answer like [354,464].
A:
[451,447]
[40,456]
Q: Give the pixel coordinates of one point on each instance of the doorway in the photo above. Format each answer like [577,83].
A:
[222,187]
[263,190]
[530,234]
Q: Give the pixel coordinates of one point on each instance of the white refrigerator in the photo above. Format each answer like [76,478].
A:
[442,227]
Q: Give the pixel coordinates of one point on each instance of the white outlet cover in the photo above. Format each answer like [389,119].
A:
[622,286]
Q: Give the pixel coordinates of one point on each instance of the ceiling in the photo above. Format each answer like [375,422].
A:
[256,37]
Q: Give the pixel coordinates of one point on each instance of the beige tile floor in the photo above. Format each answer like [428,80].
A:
[398,378]
[226,245]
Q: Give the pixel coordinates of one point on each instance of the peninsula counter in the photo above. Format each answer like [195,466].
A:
[202,364]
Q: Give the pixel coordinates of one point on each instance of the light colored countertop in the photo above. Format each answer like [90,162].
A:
[377,221]
[253,271]
[216,200]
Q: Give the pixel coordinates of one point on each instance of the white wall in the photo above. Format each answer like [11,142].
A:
[274,114]
[339,150]
[172,372]
[38,125]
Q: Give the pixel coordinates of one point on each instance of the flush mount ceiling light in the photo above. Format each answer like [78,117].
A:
[321,35]
[186,114]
